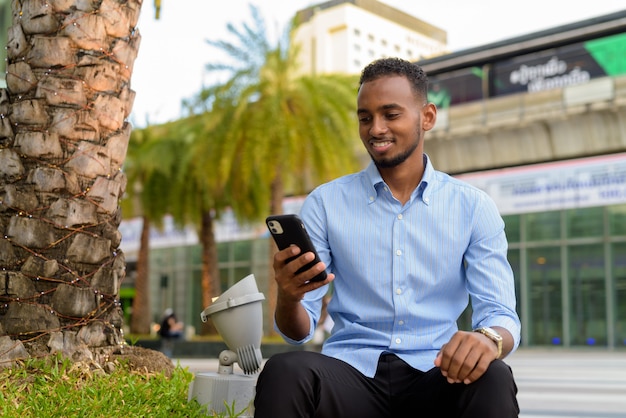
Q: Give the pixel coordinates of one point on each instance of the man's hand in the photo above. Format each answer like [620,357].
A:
[466,357]
[292,285]
[291,317]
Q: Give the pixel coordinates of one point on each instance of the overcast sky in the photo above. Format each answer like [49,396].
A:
[173,51]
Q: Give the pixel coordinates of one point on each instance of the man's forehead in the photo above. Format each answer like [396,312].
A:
[389,92]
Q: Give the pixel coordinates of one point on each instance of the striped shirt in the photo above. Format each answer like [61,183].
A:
[405,273]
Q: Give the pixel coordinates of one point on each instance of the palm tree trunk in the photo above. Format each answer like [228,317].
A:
[140,319]
[210,281]
[276,208]
[67,99]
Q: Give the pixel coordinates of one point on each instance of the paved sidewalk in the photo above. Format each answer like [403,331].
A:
[570,383]
[551,383]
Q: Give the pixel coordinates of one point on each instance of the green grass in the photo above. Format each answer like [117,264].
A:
[55,387]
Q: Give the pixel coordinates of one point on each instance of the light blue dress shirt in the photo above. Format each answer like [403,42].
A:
[404,272]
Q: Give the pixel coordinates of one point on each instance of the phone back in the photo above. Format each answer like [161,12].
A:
[290,230]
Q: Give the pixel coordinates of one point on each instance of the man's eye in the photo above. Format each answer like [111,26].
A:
[364,119]
[392,115]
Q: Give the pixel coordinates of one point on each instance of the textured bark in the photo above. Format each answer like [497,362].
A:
[63,139]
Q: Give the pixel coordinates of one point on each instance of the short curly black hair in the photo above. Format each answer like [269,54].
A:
[397,66]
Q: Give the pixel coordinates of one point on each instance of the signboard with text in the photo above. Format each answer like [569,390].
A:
[552,68]
[586,182]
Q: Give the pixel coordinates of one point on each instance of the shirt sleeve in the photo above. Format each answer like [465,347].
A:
[490,278]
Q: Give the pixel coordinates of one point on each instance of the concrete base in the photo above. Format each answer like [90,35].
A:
[222,393]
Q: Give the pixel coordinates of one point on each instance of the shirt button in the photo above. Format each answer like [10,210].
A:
[400,322]
[398,340]
[398,291]
[426,200]
[371,198]
[400,216]
[398,252]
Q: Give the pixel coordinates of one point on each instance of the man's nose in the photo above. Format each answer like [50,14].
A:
[379,127]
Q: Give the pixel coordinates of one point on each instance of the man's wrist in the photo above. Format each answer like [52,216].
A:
[494,336]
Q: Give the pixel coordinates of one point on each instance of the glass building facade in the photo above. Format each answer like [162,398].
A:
[570,270]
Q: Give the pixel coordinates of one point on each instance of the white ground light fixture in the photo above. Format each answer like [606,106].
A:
[238,317]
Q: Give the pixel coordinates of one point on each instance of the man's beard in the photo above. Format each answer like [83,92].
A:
[398,159]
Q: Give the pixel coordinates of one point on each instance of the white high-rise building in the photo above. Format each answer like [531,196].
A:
[342,36]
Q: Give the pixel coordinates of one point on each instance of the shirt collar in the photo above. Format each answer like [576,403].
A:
[374,179]
[422,191]
[428,178]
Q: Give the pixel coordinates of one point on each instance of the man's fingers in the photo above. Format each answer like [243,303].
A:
[468,366]
[282,256]
[457,364]
[465,357]
[481,367]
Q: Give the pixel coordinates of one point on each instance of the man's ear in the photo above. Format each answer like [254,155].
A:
[429,116]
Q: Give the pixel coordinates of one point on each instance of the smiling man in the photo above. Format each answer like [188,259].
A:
[405,247]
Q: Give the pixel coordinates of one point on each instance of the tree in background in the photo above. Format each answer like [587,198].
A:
[281,133]
[165,178]
[195,200]
[63,139]
[151,164]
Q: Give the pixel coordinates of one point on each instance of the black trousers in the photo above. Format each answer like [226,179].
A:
[306,384]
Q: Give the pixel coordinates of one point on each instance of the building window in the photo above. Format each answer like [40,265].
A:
[584,222]
[543,226]
[617,219]
[234,260]
[544,281]
[618,255]
[512,227]
[587,295]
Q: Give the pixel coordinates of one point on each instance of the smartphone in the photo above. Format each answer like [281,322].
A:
[289,230]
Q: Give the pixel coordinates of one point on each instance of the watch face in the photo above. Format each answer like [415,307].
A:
[493,336]
[492,333]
